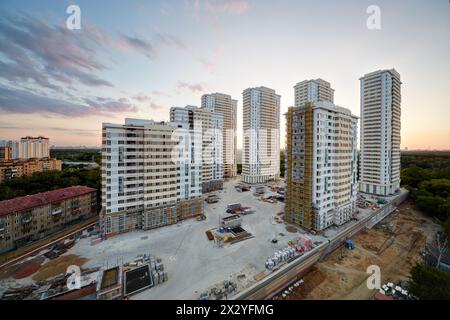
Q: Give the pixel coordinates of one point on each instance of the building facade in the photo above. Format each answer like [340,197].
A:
[380,132]
[227,107]
[13,145]
[16,168]
[313,91]
[34,147]
[209,125]
[28,147]
[151,175]
[5,153]
[321,163]
[261,141]
[29,218]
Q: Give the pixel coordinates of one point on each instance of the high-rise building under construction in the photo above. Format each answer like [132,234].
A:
[321,158]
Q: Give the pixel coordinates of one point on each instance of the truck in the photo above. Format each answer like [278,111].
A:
[232,221]
[212,198]
[233,206]
[241,210]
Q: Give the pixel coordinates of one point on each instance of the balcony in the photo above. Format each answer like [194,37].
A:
[56,211]
[26,217]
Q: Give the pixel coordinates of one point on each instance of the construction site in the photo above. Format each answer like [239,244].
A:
[394,244]
[243,235]
[231,248]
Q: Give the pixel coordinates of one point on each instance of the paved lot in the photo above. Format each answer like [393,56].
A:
[193,263]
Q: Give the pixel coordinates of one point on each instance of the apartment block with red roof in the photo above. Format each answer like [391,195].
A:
[29,218]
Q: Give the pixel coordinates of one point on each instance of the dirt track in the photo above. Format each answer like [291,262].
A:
[58,266]
[394,245]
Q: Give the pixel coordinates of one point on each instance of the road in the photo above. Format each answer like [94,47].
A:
[47,245]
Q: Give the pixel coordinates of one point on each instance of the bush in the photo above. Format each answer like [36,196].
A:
[428,283]
[50,180]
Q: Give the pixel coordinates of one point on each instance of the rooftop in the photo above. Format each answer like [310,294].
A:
[36,200]
[10,162]
[34,138]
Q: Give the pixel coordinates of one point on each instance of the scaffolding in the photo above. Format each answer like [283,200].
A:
[299,169]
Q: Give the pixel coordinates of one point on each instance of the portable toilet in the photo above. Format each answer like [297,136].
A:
[349,244]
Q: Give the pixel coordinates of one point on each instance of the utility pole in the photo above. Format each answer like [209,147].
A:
[442,247]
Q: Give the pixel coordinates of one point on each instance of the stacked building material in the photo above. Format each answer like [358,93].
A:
[280,257]
[303,244]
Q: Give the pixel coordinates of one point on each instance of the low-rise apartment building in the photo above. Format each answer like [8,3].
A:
[16,168]
[32,217]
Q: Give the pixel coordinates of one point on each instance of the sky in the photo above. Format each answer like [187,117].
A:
[139,58]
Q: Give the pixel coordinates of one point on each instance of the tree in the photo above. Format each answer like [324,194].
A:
[442,246]
[447,229]
[50,180]
[429,283]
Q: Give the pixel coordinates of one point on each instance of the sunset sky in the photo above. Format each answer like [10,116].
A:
[139,58]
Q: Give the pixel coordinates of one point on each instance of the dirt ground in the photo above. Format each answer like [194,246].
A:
[58,266]
[394,245]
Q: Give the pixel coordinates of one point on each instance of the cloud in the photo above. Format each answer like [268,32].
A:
[82,132]
[14,100]
[44,68]
[235,6]
[148,100]
[52,56]
[140,45]
[210,66]
[155,106]
[78,132]
[142,97]
[161,94]
[48,55]
[222,6]
[169,39]
[195,87]
[10,126]
[150,49]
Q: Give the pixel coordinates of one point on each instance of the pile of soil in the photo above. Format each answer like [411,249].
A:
[291,229]
[58,266]
[394,247]
[27,270]
[8,272]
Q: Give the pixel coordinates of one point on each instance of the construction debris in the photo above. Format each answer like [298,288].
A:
[394,291]
[155,268]
[212,198]
[242,188]
[280,257]
[218,293]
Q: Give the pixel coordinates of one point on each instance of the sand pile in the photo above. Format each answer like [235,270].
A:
[58,266]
